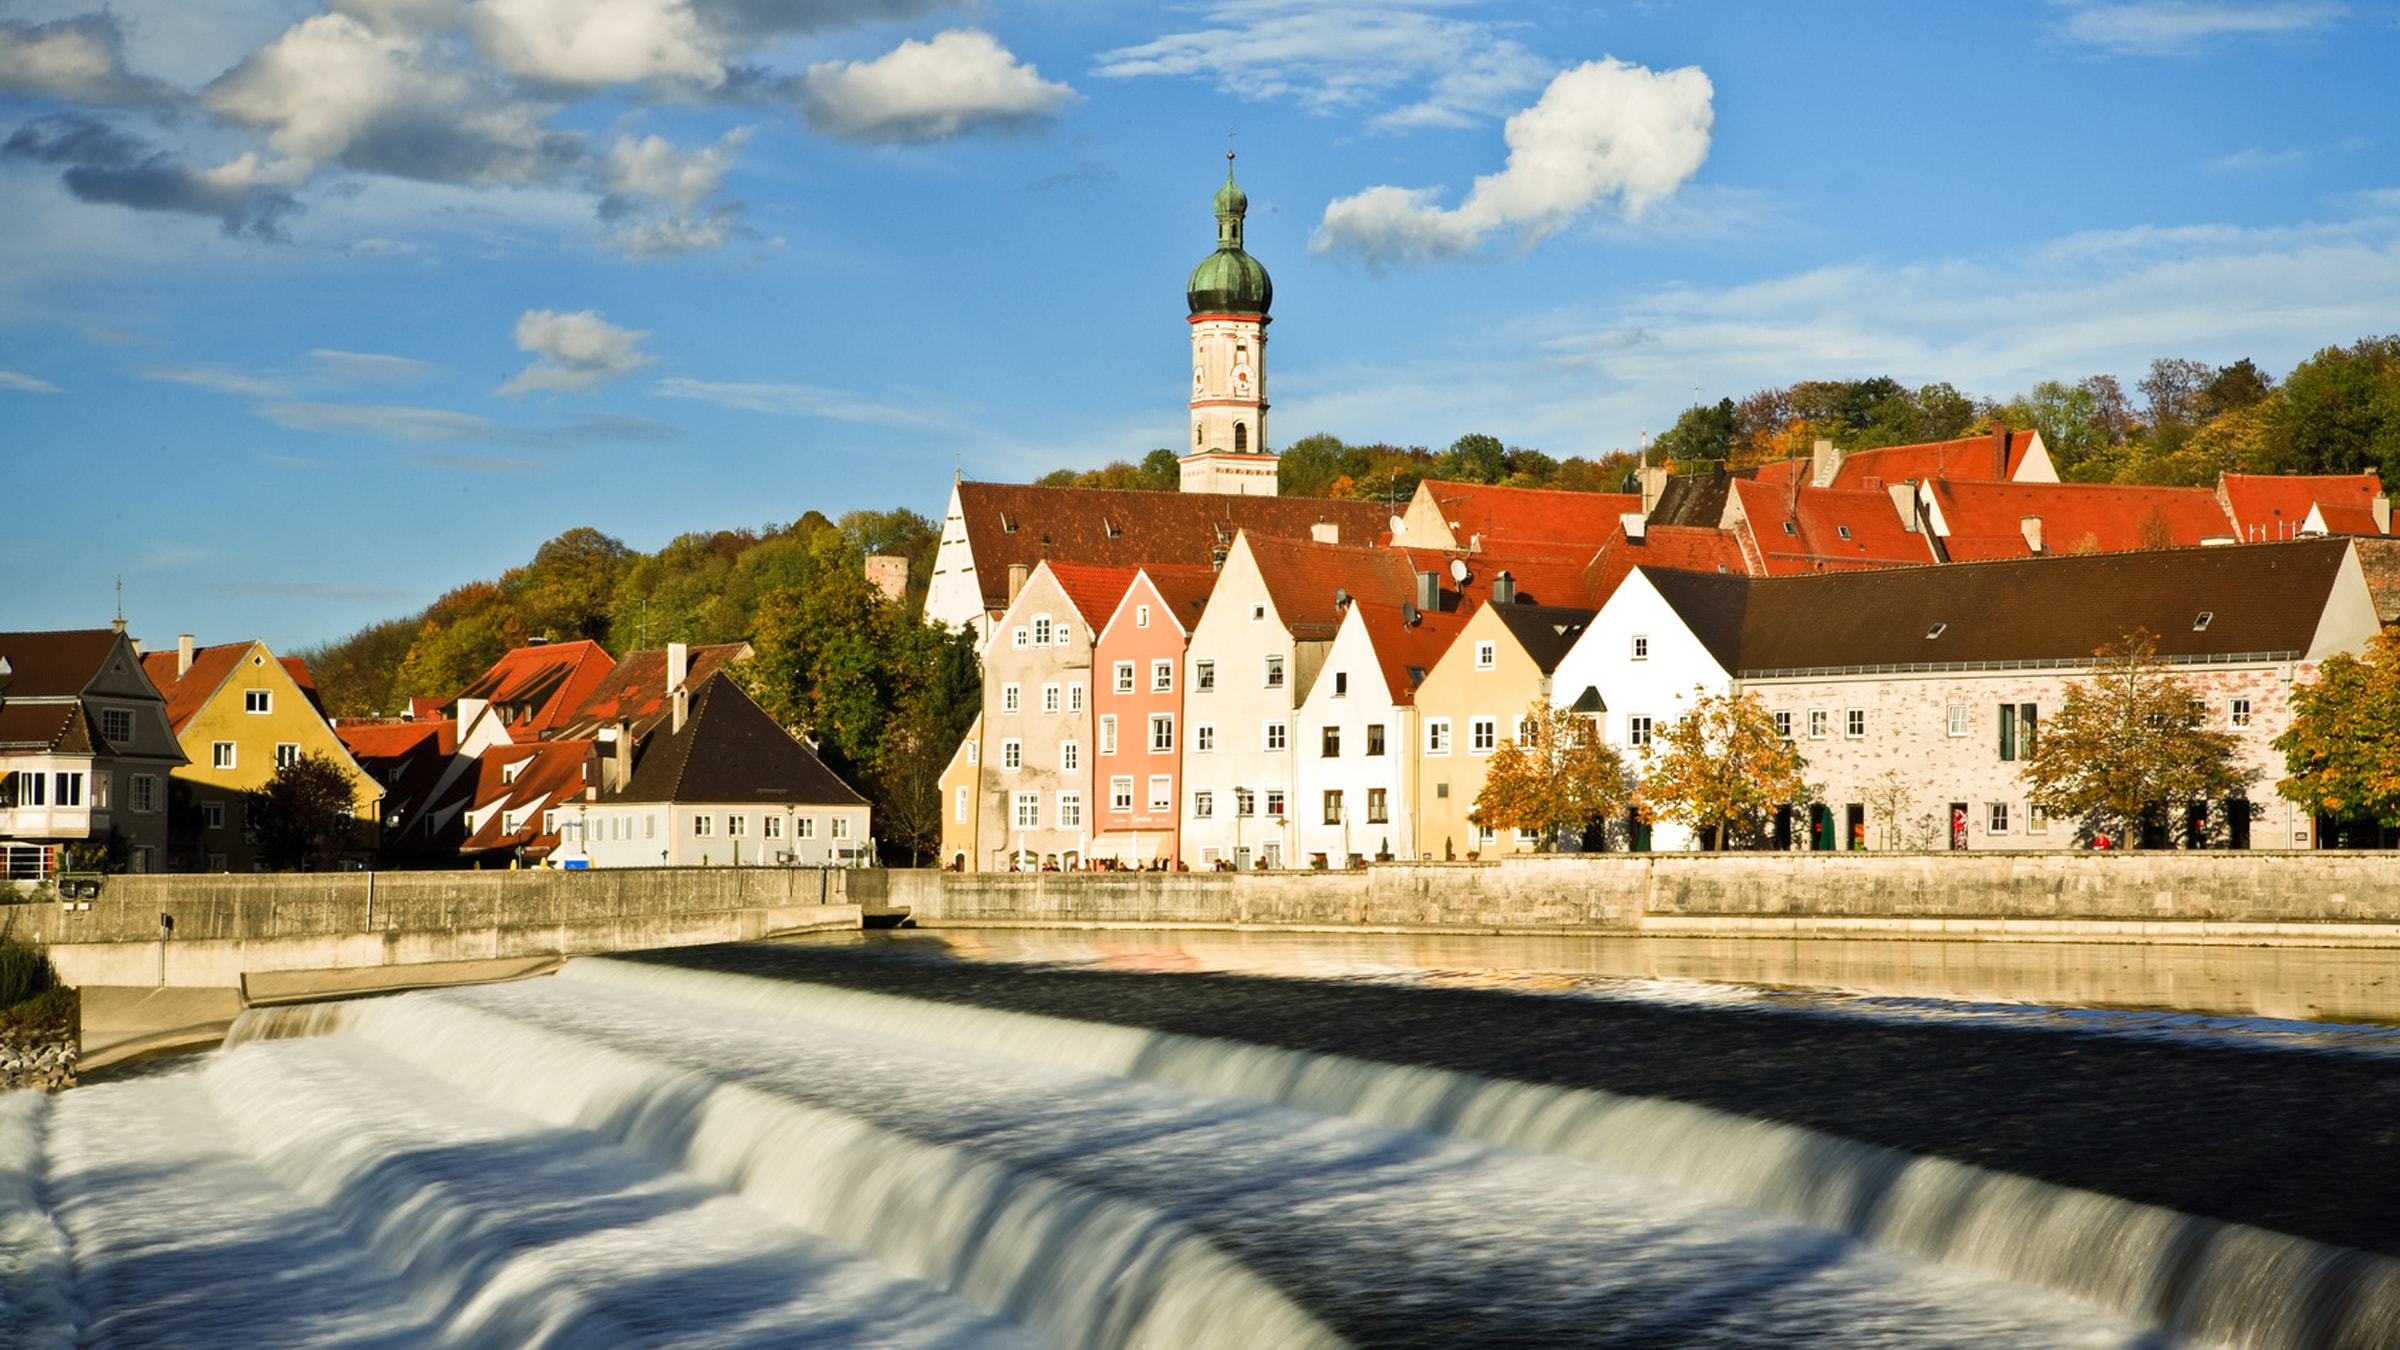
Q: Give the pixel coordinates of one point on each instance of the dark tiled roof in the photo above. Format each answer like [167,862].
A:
[53,665]
[1710,604]
[37,728]
[730,751]
[1694,499]
[2380,560]
[1010,524]
[1546,632]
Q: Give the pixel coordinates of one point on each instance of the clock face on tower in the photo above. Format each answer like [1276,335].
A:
[1199,377]
[1241,381]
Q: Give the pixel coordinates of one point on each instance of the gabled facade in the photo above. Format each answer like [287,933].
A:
[1035,781]
[1138,722]
[424,803]
[527,802]
[241,713]
[1357,729]
[85,752]
[961,802]
[1472,699]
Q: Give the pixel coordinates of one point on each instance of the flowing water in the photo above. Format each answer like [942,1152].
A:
[648,1153]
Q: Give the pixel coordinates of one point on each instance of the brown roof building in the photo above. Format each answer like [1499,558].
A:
[85,751]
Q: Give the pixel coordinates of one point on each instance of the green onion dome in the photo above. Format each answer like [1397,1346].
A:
[1230,281]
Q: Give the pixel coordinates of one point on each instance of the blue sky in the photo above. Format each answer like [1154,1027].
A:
[310,309]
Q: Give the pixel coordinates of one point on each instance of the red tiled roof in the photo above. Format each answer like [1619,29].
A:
[425,709]
[635,690]
[1992,456]
[551,681]
[1302,578]
[1807,529]
[1405,651]
[1009,523]
[1093,591]
[2274,506]
[553,774]
[1983,521]
[1185,591]
[1493,515]
[187,695]
[390,738]
[1680,548]
[1545,574]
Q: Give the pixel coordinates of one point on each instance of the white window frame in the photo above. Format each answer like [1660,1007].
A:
[1070,810]
[1272,672]
[1641,647]
[1162,677]
[1108,733]
[771,827]
[1961,719]
[1274,737]
[1483,735]
[1854,724]
[1041,630]
[1639,730]
[1028,812]
[287,753]
[1204,804]
[1120,793]
[1012,699]
[1012,755]
[1124,677]
[737,825]
[1204,738]
[1021,638]
[1487,655]
[838,827]
[1275,806]
[224,755]
[1995,819]
[1437,735]
[1070,757]
[804,827]
[1820,724]
[2037,821]
[2237,714]
[1050,699]
[1162,733]
[1162,792]
[1204,677]
[1075,696]
[258,702]
[703,826]
[959,807]
[1783,723]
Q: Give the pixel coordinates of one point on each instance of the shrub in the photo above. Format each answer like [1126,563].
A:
[25,972]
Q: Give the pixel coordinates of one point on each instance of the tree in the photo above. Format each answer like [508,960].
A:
[2083,425]
[1701,434]
[565,594]
[2130,742]
[1890,799]
[1555,775]
[2343,747]
[1724,766]
[2339,412]
[302,815]
[1475,458]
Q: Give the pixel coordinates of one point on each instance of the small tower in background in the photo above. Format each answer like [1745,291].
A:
[1229,295]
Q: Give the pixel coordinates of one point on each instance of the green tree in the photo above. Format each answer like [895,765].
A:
[1556,774]
[2339,412]
[1720,768]
[1475,458]
[2342,751]
[2130,743]
[2084,425]
[301,817]
[1701,434]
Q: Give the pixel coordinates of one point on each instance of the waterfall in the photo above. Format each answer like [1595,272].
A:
[2200,1278]
[37,1285]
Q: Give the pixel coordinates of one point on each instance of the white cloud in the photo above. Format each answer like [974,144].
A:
[399,423]
[80,58]
[25,384]
[653,167]
[801,400]
[667,238]
[595,43]
[217,378]
[1337,58]
[576,353]
[2174,27]
[1603,130]
[961,81]
[369,365]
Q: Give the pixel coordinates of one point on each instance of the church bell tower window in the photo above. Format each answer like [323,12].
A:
[1241,438]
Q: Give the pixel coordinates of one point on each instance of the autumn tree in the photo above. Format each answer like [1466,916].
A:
[301,817]
[2130,742]
[1556,774]
[1720,767]
[2343,747]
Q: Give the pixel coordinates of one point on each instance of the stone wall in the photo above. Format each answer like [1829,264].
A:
[41,1057]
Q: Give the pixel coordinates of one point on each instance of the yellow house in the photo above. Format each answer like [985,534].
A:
[1471,701]
[240,712]
[962,813]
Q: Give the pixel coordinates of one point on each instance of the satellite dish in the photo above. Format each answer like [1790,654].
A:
[1458,570]
[1408,613]
[1399,527]
[1341,598]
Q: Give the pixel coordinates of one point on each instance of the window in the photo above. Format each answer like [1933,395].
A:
[1854,723]
[1070,757]
[1204,738]
[1641,646]
[70,790]
[959,806]
[1790,529]
[220,755]
[1528,838]
[1437,736]
[1637,730]
[838,827]
[258,700]
[1245,802]
[2239,714]
[513,821]
[1999,818]
[1075,697]
[1379,810]
[650,827]
[509,772]
[1141,616]
[1070,810]
[1162,677]
[1029,811]
[145,793]
[1783,723]
[1012,755]
[1120,793]
[1333,807]
[100,782]
[1482,734]
[1108,733]
[1011,698]
[1275,672]
[2016,731]
[1487,655]
[1442,790]
[1374,738]
[1817,723]
[774,826]
[1341,684]
[2036,822]
[1050,698]
[1066,634]
[1843,531]
[1524,731]
[287,754]
[1204,676]
[1258,613]
[1041,630]
[1275,803]
[1019,638]
[116,725]
[1162,733]
[1124,677]
[735,826]
[1275,737]
[1332,737]
[1162,792]
[804,827]
[1483,835]
[1204,804]
[1958,713]
[702,827]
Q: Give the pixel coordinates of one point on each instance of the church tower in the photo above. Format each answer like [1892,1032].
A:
[1229,295]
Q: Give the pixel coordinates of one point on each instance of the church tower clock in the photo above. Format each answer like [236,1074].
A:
[1229,295]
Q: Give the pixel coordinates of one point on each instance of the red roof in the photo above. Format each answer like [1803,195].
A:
[539,687]
[377,738]
[1184,591]
[2265,507]
[188,694]
[1483,515]
[1094,591]
[1993,456]
[1680,548]
[635,690]
[1805,529]
[1980,521]
[1303,577]
[552,774]
[1407,651]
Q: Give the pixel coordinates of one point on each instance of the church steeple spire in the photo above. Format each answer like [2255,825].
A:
[1229,295]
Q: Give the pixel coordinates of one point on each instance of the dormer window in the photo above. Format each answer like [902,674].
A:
[1935,631]
[1008,523]
[2207,617]
[1790,529]
[1843,531]
[509,772]
[1110,527]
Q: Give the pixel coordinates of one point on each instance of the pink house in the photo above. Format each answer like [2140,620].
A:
[1137,703]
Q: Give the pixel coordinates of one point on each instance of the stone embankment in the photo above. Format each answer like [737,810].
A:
[40,1051]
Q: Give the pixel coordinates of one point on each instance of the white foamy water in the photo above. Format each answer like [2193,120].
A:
[636,1155]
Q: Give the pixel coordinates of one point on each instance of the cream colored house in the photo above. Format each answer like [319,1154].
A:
[1471,700]
[1357,731]
[1033,785]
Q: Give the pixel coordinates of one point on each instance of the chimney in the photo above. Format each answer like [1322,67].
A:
[1017,573]
[2382,507]
[1429,591]
[1999,451]
[183,655]
[2032,526]
[678,665]
[1325,532]
[1823,463]
[1216,558]
[1636,527]
[1504,589]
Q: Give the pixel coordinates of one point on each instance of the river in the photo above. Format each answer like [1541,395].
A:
[1160,1139]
